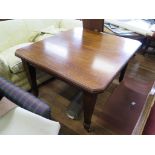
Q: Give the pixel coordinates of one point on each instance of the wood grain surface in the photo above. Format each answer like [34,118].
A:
[87,59]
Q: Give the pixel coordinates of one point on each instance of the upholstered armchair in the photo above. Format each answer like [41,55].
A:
[30,115]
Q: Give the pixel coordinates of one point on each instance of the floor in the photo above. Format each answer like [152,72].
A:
[59,96]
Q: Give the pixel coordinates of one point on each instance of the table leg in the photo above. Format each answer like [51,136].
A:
[146,44]
[122,73]
[1,96]
[31,74]
[89,101]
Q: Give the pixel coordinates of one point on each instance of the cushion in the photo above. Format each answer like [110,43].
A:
[70,23]
[14,63]
[5,106]
[50,30]
[12,32]
[41,36]
[23,122]
[44,33]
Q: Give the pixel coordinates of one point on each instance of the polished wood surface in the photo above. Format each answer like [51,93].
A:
[59,96]
[122,73]
[87,59]
[125,107]
[31,75]
[89,101]
[93,24]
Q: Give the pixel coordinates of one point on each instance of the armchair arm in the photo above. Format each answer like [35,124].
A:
[24,99]
[4,68]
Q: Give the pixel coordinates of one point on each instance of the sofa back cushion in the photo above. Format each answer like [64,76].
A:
[70,23]
[13,32]
[50,28]
[34,25]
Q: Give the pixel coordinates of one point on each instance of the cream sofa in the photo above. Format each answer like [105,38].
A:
[15,34]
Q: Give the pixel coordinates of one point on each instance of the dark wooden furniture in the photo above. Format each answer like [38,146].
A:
[127,109]
[149,42]
[86,59]
[149,128]
[93,24]
[4,19]
[97,25]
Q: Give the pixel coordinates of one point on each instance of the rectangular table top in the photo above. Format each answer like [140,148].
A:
[85,58]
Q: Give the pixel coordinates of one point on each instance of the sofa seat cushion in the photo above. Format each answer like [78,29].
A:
[14,63]
[50,30]
[41,34]
[19,121]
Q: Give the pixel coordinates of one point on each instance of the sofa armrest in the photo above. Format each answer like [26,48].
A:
[4,68]
[24,99]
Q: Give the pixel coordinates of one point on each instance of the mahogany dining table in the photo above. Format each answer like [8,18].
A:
[83,58]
